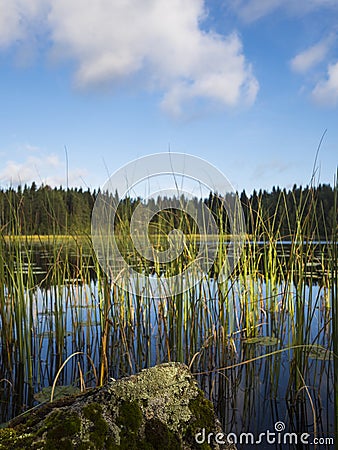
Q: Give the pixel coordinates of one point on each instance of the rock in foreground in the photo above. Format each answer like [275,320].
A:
[160,408]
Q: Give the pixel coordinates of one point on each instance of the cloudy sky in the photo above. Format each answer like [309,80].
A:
[249,85]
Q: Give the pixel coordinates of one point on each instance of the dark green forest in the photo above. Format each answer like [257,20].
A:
[44,210]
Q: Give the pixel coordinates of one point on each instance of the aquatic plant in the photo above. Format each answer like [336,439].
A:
[58,305]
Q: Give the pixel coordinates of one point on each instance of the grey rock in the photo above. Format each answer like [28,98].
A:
[159,408]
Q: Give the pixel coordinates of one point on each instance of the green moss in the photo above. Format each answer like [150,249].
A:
[130,416]
[148,386]
[128,444]
[133,444]
[65,444]
[60,427]
[93,412]
[62,424]
[98,433]
[203,413]
[159,436]
[10,439]
[85,446]
[7,436]
[203,446]
[90,446]
[203,416]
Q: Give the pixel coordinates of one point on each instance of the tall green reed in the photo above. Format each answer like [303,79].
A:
[209,326]
[334,299]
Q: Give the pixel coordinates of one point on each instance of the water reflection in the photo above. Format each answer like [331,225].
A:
[69,306]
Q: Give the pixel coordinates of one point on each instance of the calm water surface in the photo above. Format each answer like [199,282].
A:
[70,314]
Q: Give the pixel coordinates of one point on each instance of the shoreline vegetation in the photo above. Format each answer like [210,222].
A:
[83,237]
[39,211]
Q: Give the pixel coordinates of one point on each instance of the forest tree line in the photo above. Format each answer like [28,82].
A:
[44,210]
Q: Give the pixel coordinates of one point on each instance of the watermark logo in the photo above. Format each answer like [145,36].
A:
[276,436]
[279,426]
[155,234]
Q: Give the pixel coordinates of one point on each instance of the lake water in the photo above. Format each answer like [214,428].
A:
[68,308]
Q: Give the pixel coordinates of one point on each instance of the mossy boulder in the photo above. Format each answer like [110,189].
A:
[159,408]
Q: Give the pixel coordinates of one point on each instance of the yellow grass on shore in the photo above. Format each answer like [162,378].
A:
[45,238]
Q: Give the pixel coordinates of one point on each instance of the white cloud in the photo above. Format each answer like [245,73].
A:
[270,168]
[312,56]
[230,83]
[115,40]
[31,148]
[252,10]
[17,18]
[159,42]
[326,91]
[39,168]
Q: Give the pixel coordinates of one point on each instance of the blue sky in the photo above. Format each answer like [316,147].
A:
[249,85]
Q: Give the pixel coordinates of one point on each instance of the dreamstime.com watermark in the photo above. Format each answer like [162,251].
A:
[163,183]
[276,436]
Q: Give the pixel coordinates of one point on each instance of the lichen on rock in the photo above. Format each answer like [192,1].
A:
[159,408]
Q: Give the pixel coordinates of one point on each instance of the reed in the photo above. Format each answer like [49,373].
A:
[334,300]
[269,313]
